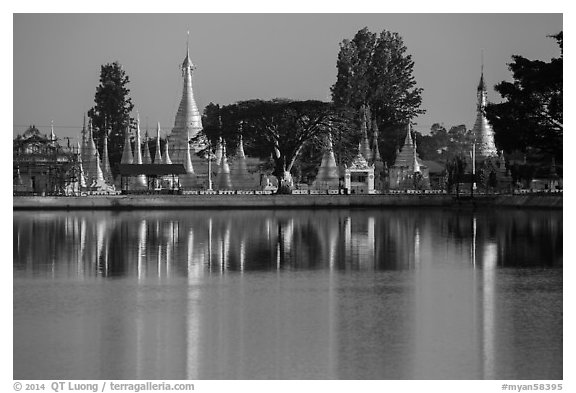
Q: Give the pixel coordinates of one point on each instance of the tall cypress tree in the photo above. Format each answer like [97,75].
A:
[376,70]
[113,107]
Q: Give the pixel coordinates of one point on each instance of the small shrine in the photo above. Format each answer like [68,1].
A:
[359,176]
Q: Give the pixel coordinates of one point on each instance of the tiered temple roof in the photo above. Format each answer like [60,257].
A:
[359,162]
[408,157]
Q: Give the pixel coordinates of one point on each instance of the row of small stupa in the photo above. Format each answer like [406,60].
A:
[226,178]
[188,124]
[94,173]
[329,175]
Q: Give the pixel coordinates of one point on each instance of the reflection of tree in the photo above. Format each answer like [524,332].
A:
[523,238]
[159,244]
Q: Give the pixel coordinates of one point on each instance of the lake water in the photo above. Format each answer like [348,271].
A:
[303,294]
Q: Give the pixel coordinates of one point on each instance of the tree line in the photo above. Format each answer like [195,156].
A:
[374,77]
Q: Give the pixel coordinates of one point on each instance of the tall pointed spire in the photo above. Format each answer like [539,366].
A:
[328,176]
[224,182]
[408,139]
[408,157]
[481,85]
[415,163]
[241,179]
[138,145]
[188,163]
[99,181]
[219,151]
[84,129]
[81,174]
[127,157]
[158,154]
[146,157]
[52,135]
[166,157]
[240,149]
[375,150]
[188,121]
[105,160]
[482,131]
[89,156]
[140,179]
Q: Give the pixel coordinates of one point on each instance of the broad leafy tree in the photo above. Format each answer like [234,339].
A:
[442,145]
[530,118]
[374,69]
[112,109]
[278,129]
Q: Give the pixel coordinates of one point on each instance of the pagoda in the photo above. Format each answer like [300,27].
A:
[127,157]
[81,174]
[406,165]
[158,153]
[328,176]
[482,131]
[146,157]
[91,160]
[166,157]
[106,170]
[223,180]
[140,181]
[379,165]
[239,171]
[187,124]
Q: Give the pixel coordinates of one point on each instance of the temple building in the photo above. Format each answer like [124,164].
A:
[408,171]
[42,166]
[359,176]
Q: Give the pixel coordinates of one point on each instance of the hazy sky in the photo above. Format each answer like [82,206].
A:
[57,59]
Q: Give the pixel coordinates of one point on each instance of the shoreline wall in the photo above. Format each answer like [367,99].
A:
[129,202]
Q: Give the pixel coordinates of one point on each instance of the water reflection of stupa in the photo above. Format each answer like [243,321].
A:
[191,288]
